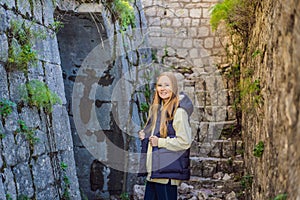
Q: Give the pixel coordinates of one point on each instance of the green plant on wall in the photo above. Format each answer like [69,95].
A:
[246,181]
[20,52]
[6,107]
[37,93]
[258,149]
[222,12]
[66,181]
[121,11]
[250,93]
[28,132]
[281,197]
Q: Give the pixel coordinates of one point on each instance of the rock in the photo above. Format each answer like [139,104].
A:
[138,192]
[202,195]
[218,175]
[231,196]
[185,188]
[226,177]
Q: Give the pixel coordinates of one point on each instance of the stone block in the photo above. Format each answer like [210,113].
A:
[195,22]
[209,168]
[11,121]
[187,43]
[196,167]
[23,177]
[220,113]
[31,117]
[195,13]
[228,149]
[48,10]
[182,53]
[36,72]
[209,42]
[3,48]
[54,80]
[182,12]
[9,149]
[42,146]
[2,192]
[3,83]
[61,128]
[47,49]
[48,193]
[151,11]
[67,157]
[42,172]
[193,53]
[216,150]
[9,183]
[24,7]
[187,22]
[206,13]
[37,11]
[9,3]
[203,31]
[23,149]
[16,80]
[154,21]
[176,22]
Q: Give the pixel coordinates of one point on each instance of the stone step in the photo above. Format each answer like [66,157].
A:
[210,189]
[218,148]
[207,167]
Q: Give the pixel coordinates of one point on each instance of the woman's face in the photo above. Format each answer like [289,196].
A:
[164,88]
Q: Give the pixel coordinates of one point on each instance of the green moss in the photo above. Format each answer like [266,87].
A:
[281,197]
[6,107]
[258,149]
[222,12]
[20,52]
[37,93]
[28,132]
[121,11]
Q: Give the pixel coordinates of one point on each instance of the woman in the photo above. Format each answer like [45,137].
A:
[166,140]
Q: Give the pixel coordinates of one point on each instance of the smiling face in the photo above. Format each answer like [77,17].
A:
[164,88]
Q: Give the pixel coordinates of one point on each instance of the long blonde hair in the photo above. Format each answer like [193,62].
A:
[168,109]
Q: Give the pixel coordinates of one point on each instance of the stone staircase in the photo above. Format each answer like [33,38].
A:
[216,176]
[213,177]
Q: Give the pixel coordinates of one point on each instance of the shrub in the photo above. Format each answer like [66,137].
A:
[37,93]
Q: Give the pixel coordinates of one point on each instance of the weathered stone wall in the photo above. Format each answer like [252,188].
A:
[275,120]
[100,66]
[182,40]
[39,170]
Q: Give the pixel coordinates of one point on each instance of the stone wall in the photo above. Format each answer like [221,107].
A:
[34,170]
[100,66]
[275,120]
[182,40]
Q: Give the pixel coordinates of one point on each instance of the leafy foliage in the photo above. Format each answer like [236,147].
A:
[20,52]
[258,149]
[6,107]
[29,133]
[121,11]
[246,181]
[222,11]
[37,93]
[66,181]
[281,197]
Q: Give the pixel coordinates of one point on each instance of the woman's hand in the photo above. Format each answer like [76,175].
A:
[141,134]
[153,141]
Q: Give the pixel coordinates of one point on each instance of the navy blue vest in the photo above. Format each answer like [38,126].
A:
[165,163]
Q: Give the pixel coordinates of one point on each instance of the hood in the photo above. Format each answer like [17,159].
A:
[186,103]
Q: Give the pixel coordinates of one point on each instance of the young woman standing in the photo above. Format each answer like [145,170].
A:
[166,140]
